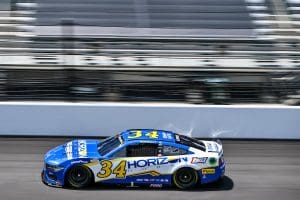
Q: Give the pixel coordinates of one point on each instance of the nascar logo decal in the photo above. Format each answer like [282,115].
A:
[82,148]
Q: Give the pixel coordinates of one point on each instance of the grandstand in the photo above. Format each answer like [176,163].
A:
[146,18]
[202,51]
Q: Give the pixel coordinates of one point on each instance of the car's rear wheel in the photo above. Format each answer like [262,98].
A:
[79,176]
[185,178]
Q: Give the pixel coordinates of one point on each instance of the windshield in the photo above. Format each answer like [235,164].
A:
[109,144]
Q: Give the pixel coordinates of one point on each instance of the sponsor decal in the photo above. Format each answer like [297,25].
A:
[156,185]
[68,150]
[197,160]
[82,151]
[208,171]
[153,161]
[167,135]
[147,162]
[212,161]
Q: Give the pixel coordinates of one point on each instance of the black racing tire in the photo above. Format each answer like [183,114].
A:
[79,176]
[220,181]
[185,178]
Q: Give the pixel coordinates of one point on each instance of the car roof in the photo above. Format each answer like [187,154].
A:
[148,135]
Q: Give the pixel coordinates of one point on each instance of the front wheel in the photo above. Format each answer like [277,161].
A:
[79,176]
[185,178]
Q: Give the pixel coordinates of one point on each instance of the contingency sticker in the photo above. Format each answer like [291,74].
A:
[208,171]
[68,150]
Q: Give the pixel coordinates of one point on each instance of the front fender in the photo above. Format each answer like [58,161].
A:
[71,164]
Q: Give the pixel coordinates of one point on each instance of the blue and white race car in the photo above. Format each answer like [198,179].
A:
[135,157]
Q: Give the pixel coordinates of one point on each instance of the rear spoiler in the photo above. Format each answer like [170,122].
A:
[218,149]
[218,141]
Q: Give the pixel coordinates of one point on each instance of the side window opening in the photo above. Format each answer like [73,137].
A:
[173,151]
[138,150]
[141,150]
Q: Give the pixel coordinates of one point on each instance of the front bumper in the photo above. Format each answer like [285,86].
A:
[48,181]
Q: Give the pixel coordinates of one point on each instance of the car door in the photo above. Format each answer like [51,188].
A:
[142,162]
[131,163]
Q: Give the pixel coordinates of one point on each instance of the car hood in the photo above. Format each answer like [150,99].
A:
[72,150]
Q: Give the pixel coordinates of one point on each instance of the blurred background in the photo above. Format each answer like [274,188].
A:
[194,51]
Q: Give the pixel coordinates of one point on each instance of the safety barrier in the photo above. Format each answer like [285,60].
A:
[106,119]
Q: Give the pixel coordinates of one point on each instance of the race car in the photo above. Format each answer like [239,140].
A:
[135,157]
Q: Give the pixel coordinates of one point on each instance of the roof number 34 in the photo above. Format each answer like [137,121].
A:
[137,134]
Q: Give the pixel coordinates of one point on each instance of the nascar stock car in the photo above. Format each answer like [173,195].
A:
[135,157]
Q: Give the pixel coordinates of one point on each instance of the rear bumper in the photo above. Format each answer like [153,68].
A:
[219,172]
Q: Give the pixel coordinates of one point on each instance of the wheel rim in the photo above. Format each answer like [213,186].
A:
[78,176]
[185,178]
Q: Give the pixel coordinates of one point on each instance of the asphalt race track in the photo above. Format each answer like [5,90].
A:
[262,170]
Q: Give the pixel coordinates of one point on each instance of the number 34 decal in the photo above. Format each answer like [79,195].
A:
[138,133]
[106,169]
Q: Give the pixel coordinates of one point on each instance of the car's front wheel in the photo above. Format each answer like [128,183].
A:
[79,176]
[185,178]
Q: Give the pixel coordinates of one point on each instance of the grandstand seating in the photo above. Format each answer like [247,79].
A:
[197,18]
[293,8]
[243,37]
[53,49]
[14,28]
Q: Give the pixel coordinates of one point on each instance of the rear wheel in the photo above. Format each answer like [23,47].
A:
[185,178]
[79,176]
